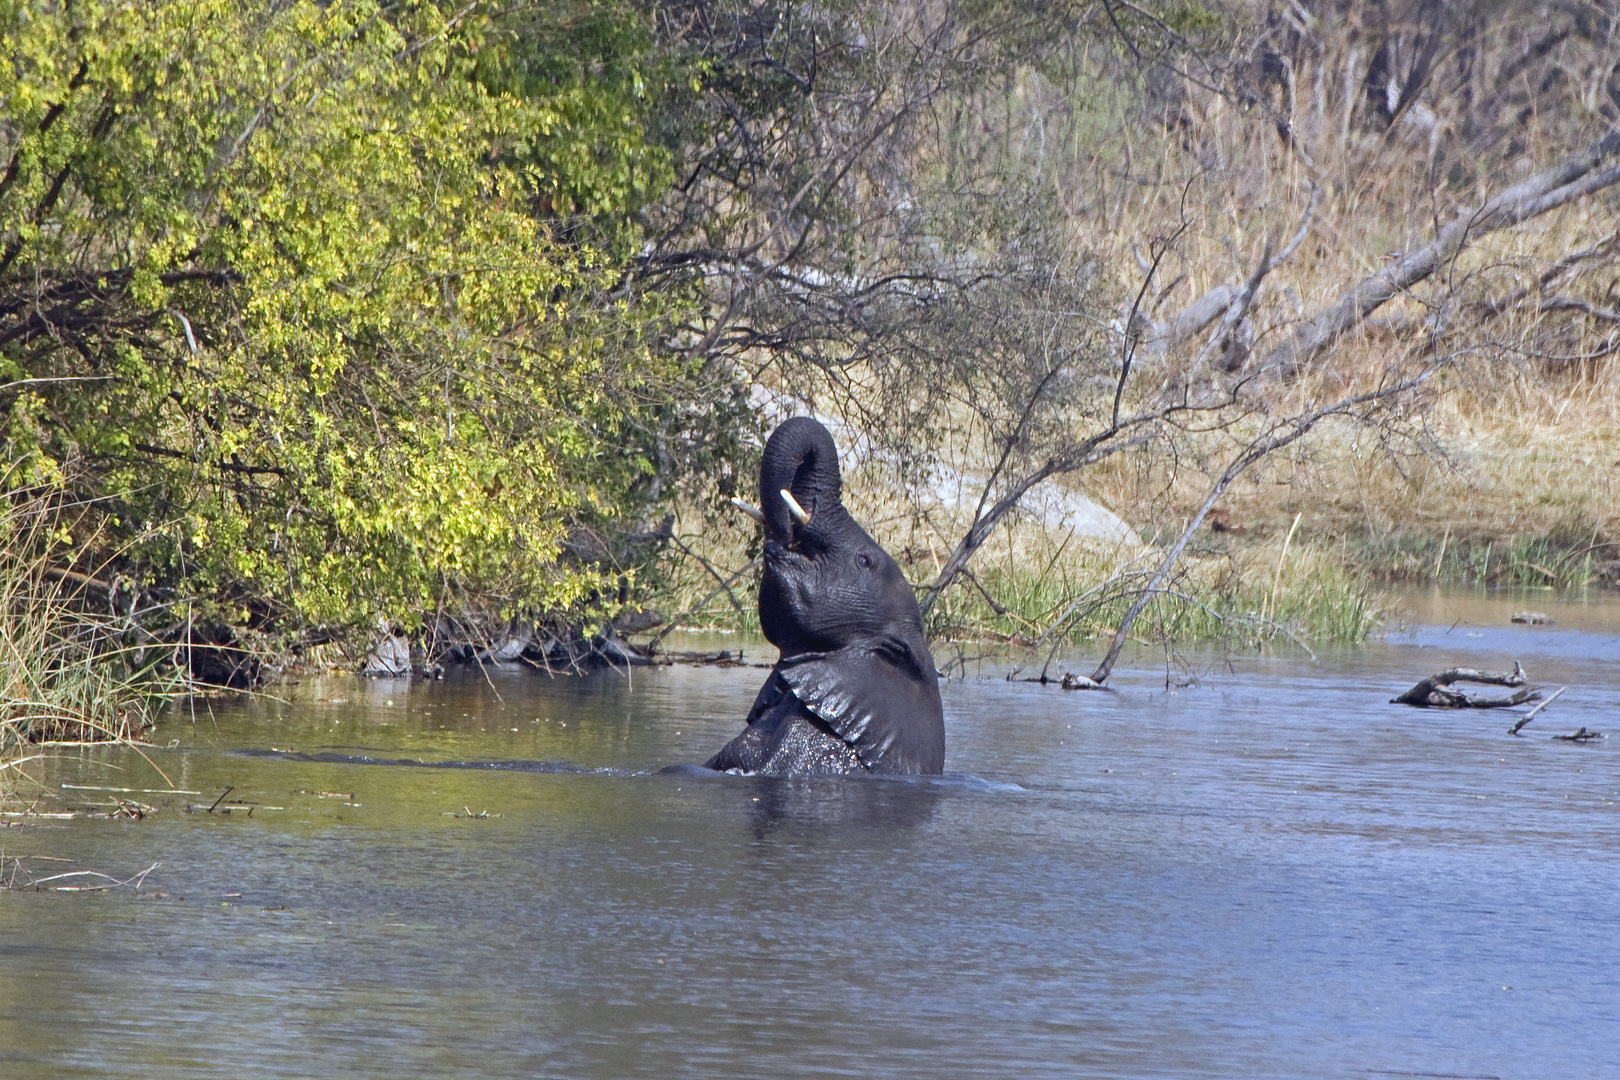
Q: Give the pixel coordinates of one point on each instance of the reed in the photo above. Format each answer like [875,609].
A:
[67,674]
[1306,596]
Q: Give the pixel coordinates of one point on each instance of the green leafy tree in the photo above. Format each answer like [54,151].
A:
[320,306]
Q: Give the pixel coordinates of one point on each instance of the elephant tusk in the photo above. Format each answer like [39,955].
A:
[750,509]
[799,513]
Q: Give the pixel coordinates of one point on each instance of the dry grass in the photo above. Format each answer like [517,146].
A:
[1508,468]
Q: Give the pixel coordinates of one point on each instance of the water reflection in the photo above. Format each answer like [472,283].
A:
[835,803]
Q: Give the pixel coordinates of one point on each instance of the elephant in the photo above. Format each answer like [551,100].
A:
[855,689]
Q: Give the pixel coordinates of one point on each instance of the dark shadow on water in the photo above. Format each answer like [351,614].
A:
[332,758]
[841,802]
[965,781]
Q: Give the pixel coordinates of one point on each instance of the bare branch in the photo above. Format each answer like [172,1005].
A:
[1555,187]
[1276,438]
[1087,453]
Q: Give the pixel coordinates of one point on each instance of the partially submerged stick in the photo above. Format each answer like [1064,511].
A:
[1531,715]
[1580,736]
[112,882]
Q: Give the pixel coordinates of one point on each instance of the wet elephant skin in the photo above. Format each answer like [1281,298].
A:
[855,689]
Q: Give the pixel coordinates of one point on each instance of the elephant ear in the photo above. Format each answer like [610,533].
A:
[880,695]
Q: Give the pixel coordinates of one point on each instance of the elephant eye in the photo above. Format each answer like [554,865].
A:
[864,559]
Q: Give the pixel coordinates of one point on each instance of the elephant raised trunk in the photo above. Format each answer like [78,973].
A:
[855,688]
[800,458]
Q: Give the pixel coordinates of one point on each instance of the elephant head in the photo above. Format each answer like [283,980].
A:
[842,613]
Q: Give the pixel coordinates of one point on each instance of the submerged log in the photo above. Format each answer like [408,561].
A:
[1435,693]
[720,658]
[1582,735]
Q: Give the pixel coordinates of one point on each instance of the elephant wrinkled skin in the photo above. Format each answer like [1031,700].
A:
[855,689]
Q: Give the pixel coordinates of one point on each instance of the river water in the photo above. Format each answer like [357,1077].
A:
[1262,869]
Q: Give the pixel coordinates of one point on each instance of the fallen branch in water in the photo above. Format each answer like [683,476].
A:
[721,658]
[1580,736]
[1531,715]
[1434,692]
[111,882]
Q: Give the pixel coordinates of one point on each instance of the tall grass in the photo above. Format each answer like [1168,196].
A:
[1551,560]
[66,673]
[1508,470]
[1305,596]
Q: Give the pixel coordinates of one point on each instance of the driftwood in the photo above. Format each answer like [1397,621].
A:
[720,658]
[1435,693]
[1581,736]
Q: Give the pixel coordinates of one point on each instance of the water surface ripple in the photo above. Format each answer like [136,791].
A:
[1270,873]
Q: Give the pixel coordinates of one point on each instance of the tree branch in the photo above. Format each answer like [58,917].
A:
[1546,191]
[1279,436]
[1087,453]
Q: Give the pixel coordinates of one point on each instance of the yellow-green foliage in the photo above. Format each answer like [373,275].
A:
[325,335]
